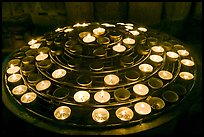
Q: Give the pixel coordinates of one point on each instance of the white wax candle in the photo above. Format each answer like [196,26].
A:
[62,112]
[129,24]
[99,31]
[111,79]
[186,75]
[183,52]
[141,89]
[59,73]
[134,32]
[41,56]
[13,69]
[81,96]
[158,49]
[59,30]
[14,78]
[100,115]
[102,96]
[43,85]
[142,108]
[119,48]
[124,113]
[187,62]
[68,30]
[166,75]
[28,97]
[129,27]
[145,67]
[142,29]
[129,41]
[19,90]
[32,42]
[156,58]
[35,46]
[89,38]
[172,54]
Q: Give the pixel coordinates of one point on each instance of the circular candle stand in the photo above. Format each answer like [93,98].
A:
[92,65]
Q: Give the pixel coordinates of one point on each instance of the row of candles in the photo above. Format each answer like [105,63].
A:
[101,114]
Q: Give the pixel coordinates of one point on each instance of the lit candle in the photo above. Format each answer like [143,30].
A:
[89,38]
[145,67]
[172,55]
[99,31]
[19,90]
[108,25]
[129,24]
[43,85]
[142,29]
[187,62]
[134,32]
[124,113]
[102,96]
[183,52]
[141,89]
[111,79]
[41,56]
[59,30]
[32,42]
[129,27]
[156,58]
[68,30]
[166,75]
[35,46]
[62,112]
[13,69]
[119,48]
[59,73]
[186,75]
[14,78]
[28,97]
[158,49]
[81,96]
[128,41]
[100,115]
[142,108]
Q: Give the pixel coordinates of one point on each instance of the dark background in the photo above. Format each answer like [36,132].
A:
[23,20]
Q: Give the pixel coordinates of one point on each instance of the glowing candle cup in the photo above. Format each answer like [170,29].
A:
[119,48]
[41,56]
[59,73]
[128,41]
[89,38]
[62,112]
[111,79]
[28,97]
[124,113]
[141,89]
[142,108]
[19,90]
[13,69]
[166,75]
[100,115]
[43,85]
[81,96]
[145,68]
[99,31]
[102,96]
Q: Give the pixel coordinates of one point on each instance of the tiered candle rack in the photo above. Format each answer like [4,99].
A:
[87,63]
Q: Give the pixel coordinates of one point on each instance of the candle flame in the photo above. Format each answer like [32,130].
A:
[11,66]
